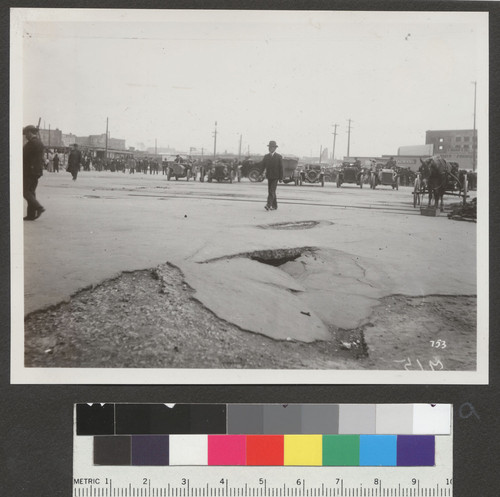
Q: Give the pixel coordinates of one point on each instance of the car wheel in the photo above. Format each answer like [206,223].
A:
[254,175]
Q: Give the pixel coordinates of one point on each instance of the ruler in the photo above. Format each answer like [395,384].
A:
[275,483]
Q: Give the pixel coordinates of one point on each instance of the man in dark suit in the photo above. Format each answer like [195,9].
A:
[74,161]
[272,167]
[32,171]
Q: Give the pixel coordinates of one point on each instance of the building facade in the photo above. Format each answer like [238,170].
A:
[456,145]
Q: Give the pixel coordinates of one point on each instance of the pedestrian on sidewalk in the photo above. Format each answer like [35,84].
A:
[74,161]
[55,161]
[32,171]
[272,167]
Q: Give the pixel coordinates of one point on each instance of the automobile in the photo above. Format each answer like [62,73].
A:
[387,177]
[331,174]
[220,171]
[350,173]
[312,173]
[179,170]
[290,172]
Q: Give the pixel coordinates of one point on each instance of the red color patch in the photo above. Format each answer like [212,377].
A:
[265,450]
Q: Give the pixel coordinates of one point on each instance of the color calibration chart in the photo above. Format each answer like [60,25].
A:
[167,450]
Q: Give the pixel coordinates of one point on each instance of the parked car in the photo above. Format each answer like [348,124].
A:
[350,173]
[220,171]
[179,170]
[290,172]
[312,173]
[388,177]
[331,174]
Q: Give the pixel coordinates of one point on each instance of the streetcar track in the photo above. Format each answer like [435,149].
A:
[287,202]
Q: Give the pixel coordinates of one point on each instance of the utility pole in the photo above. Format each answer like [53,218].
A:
[202,150]
[156,147]
[349,138]
[106,153]
[320,153]
[49,136]
[474,133]
[334,139]
[239,149]
[215,139]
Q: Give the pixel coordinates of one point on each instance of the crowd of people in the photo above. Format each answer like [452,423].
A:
[36,159]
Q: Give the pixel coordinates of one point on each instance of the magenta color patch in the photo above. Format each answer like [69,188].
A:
[226,450]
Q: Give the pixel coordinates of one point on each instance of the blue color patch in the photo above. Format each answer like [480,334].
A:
[378,450]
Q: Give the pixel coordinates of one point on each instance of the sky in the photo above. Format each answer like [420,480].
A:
[262,75]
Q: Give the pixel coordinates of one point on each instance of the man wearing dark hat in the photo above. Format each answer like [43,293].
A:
[32,171]
[272,167]
[74,161]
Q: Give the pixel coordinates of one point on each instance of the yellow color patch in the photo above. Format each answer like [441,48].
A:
[303,450]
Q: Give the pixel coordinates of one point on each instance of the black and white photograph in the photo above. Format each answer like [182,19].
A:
[229,196]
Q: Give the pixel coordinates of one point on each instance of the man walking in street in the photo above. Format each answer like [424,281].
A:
[74,161]
[32,171]
[272,167]
[55,161]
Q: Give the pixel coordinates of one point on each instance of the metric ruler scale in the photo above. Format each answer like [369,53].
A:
[136,450]
[341,489]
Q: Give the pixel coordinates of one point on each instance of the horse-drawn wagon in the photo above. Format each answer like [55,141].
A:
[436,177]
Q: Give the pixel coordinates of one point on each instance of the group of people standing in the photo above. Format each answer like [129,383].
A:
[33,166]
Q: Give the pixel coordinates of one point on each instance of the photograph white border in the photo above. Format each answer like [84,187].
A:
[22,375]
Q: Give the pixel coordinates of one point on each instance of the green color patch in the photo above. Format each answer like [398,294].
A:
[340,450]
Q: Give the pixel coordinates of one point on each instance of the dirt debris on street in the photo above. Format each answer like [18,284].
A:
[152,319]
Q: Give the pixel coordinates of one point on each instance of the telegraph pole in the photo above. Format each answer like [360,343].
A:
[239,149]
[106,153]
[156,147]
[349,138]
[215,139]
[49,136]
[334,139]
[320,153]
[474,133]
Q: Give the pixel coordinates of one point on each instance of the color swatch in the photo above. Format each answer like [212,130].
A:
[263,419]
[264,450]
[263,434]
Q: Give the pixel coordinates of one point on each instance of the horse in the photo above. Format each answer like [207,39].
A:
[436,174]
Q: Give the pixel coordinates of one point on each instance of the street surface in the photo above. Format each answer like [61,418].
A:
[322,262]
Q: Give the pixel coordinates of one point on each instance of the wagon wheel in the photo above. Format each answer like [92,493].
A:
[416,192]
[465,186]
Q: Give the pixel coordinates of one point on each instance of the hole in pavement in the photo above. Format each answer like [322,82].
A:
[298,225]
[272,257]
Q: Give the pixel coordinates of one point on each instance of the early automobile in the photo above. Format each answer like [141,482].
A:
[220,171]
[331,173]
[179,170]
[290,172]
[312,173]
[388,177]
[350,173]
